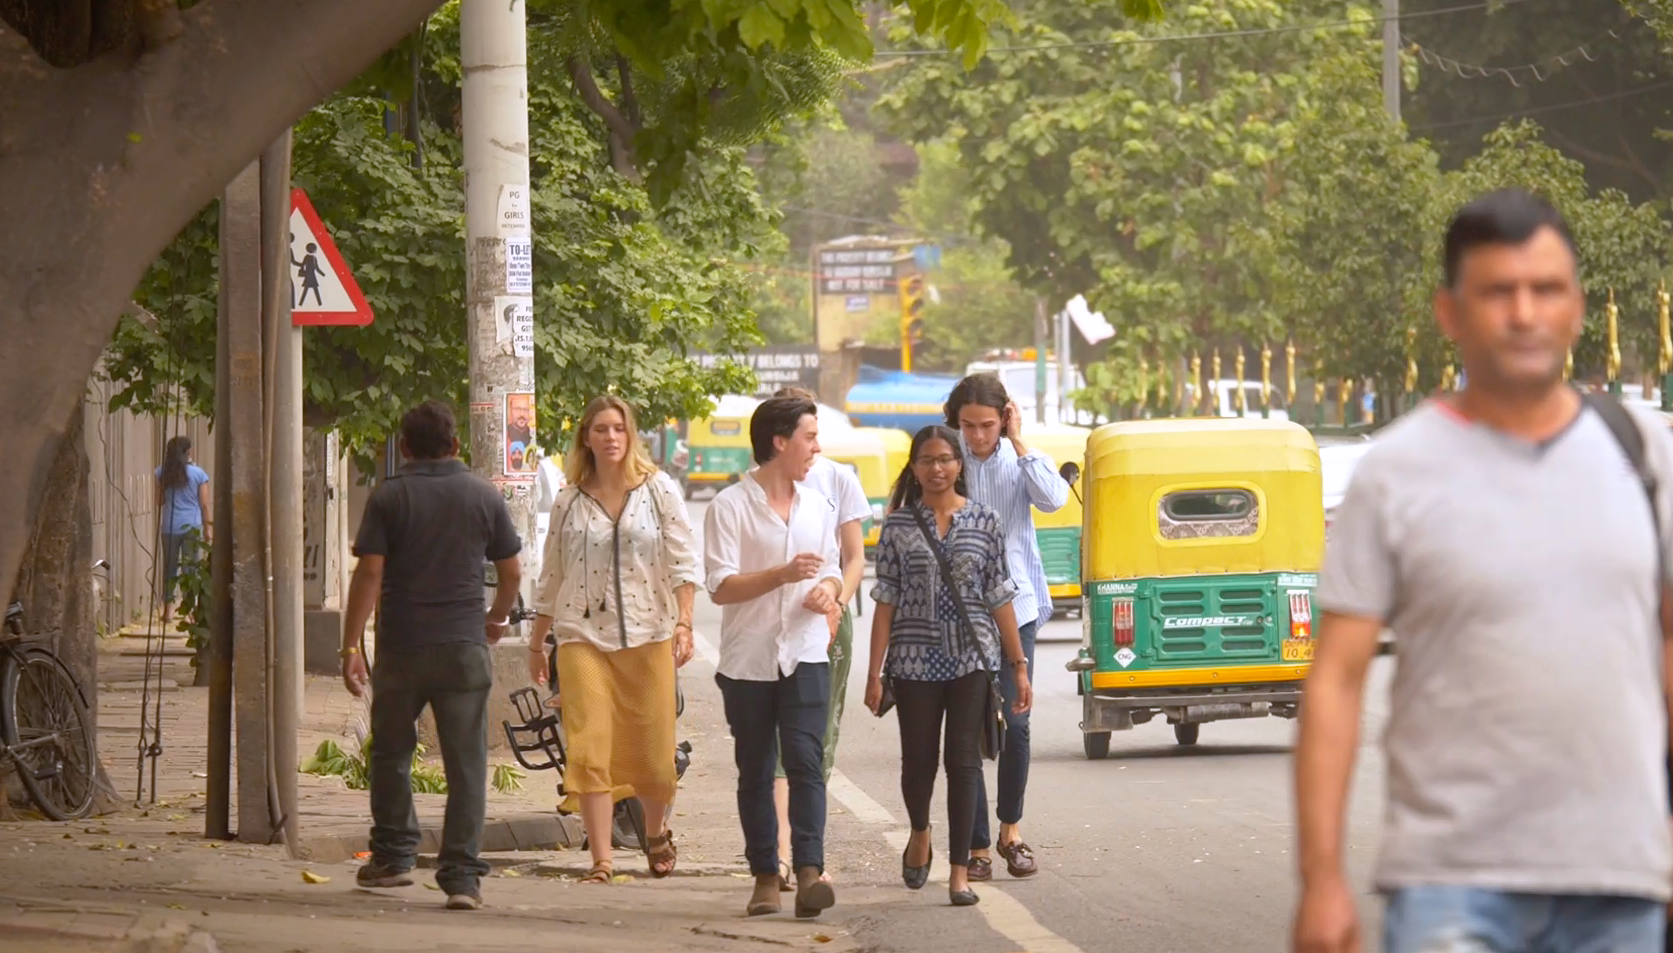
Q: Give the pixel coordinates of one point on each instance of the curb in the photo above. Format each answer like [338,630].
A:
[520,832]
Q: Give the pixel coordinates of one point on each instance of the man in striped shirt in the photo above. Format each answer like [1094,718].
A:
[1002,474]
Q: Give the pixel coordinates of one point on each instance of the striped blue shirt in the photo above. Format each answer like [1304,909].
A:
[1013,486]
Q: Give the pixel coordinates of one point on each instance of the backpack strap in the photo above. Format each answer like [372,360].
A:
[1630,436]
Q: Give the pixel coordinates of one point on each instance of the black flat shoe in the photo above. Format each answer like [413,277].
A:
[963,898]
[915,877]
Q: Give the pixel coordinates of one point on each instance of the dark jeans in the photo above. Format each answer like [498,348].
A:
[925,707]
[764,717]
[1013,761]
[453,680]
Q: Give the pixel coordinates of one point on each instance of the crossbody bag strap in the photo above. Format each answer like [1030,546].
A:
[1630,436]
[968,630]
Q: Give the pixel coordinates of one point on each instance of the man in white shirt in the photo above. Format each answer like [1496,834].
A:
[841,486]
[770,549]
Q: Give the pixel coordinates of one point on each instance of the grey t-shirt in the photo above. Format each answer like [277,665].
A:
[1527,730]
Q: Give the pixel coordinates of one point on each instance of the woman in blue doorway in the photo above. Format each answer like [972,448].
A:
[182,510]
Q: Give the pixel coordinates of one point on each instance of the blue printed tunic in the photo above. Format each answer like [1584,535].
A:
[925,643]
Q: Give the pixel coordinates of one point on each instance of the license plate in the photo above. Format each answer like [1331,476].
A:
[1298,650]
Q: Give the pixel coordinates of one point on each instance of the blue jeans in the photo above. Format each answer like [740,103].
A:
[1476,920]
[764,717]
[1013,761]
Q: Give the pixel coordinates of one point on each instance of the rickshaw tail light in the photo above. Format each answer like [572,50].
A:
[1301,614]
[1121,622]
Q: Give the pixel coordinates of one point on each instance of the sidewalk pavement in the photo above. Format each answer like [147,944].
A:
[123,884]
[145,879]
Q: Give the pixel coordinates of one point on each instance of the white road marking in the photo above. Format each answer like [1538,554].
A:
[857,802]
[705,649]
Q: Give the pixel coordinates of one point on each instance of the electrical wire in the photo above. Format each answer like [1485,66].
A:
[1553,64]
[1540,110]
[1215,35]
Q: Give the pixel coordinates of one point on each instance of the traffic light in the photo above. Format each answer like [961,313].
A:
[911,317]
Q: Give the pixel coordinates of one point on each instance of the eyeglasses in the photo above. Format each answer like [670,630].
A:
[947,460]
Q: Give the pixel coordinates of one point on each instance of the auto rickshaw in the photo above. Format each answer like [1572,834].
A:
[718,450]
[1059,533]
[1203,539]
[897,451]
[862,450]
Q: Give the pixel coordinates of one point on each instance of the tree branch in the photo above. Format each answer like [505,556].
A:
[630,101]
[622,131]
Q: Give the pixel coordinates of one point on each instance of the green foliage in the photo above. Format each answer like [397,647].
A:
[1217,195]
[192,583]
[331,761]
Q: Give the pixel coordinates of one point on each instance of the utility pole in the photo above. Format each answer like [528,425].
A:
[233,560]
[283,399]
[499,252]
[1042,339]
[1064,367]
[1391,58]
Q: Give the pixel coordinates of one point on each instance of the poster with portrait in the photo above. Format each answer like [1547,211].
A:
[521,458]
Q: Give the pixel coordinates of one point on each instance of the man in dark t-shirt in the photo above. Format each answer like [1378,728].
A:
[422,545]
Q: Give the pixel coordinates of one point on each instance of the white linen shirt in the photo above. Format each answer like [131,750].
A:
[611,582]
[839,482]
[764,639]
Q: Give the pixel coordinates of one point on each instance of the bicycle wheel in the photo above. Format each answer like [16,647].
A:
[44,719]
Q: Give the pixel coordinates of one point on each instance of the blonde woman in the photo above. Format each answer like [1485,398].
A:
[615,589]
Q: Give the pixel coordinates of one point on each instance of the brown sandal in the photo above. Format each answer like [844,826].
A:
[602,872]
[662,854]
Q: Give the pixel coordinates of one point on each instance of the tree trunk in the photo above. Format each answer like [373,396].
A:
[55,583]
[103,164]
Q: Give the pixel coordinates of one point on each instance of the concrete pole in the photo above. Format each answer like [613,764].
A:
[499,282]
[1064,367]
[1391,58]
[237,429]
[240,489]
[284,499]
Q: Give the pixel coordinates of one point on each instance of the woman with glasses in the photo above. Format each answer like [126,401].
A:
[938,671]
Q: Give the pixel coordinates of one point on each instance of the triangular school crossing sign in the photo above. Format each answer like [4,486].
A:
[322,289]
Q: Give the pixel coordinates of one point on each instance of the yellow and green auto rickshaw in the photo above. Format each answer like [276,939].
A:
[718,450]
[1059,533]
[897,450]
[861,450]
[1202,546]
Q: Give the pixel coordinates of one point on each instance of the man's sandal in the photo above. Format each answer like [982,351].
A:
[602,872]
[661,853]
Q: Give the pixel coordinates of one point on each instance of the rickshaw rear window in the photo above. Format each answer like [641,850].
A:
[1197,505]
[1196,514]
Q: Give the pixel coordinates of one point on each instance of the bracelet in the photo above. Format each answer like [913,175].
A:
[1020,663]
[538,648]
[682,625]
[348,651]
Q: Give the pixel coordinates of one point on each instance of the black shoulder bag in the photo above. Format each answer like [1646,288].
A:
[993,718]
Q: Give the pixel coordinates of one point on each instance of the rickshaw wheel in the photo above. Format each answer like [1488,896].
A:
[1187,734]
[1097,745]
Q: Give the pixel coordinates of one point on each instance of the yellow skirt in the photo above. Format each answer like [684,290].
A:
[618,714]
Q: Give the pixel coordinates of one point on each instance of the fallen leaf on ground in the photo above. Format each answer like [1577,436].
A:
[622,879]
[821,938]
[511,872]
[430,886]
[177,906]
[309,877]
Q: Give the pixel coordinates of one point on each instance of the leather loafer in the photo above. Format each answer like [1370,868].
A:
[981,870]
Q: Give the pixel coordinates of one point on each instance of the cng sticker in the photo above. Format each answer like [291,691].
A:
[1124,657]
[1204,621]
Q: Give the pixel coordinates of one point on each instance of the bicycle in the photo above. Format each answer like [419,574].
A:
[45,731]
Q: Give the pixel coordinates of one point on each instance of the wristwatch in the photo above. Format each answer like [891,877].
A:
[347,651]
